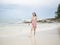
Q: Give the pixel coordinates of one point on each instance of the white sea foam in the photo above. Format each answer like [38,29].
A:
[22,29]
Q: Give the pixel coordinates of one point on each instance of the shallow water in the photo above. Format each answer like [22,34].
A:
[47,34]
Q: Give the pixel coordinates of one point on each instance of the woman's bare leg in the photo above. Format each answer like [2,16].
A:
[31,30]
[34,31]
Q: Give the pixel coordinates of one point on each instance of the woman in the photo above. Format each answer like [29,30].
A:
[34,22]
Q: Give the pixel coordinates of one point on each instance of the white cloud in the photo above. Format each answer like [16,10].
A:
[31,2]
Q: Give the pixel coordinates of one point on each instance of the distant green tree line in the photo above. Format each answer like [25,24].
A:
[58,12]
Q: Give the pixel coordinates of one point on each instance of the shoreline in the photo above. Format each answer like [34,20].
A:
[26,28]
[19,34]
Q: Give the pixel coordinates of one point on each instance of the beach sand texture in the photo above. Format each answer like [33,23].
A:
[19,34]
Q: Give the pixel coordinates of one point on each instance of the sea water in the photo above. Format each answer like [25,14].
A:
[12,15]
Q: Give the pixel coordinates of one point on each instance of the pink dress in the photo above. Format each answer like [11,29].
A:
[34,22]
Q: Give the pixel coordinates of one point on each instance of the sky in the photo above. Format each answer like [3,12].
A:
[43,8]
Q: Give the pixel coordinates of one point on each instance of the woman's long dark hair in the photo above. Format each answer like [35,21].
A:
[34,13]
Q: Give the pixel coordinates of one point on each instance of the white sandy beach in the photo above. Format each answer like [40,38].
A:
[19,34]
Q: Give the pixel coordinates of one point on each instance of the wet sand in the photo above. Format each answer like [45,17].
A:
[13,35]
